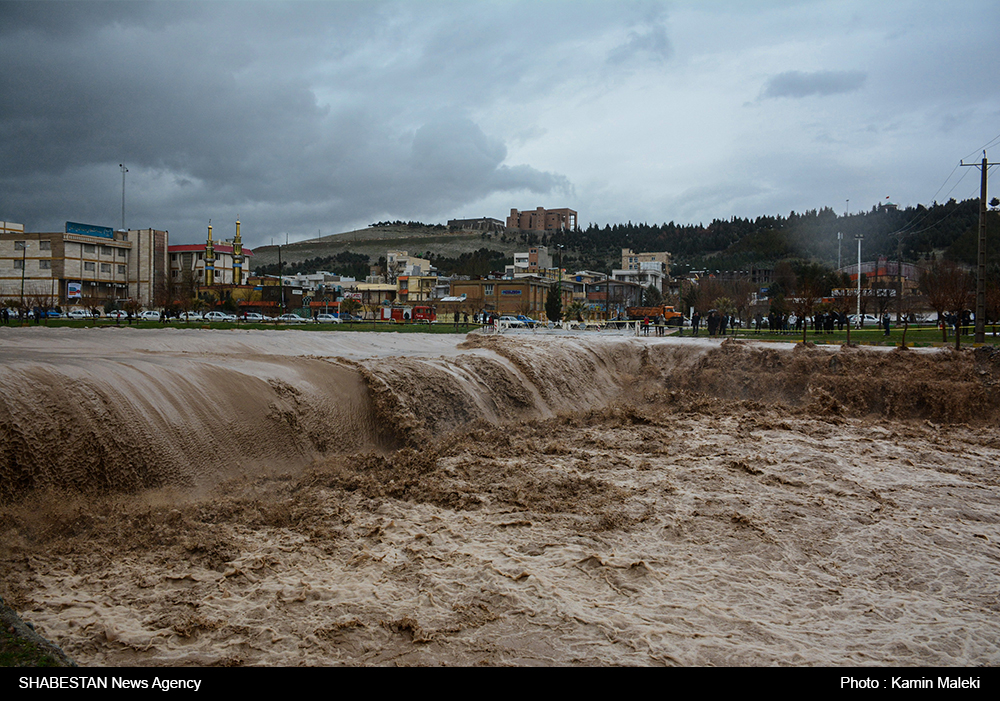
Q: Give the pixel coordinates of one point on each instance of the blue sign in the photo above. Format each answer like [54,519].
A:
[89,230]
[510,292]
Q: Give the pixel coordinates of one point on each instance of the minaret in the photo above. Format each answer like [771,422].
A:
[209,259]
[237,257]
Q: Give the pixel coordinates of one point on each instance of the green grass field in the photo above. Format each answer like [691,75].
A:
[916,336]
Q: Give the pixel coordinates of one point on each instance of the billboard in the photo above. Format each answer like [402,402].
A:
[89,230]
[74,290]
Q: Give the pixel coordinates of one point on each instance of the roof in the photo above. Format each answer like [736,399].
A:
[200,247]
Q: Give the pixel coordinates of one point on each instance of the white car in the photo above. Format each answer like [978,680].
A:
[328,319]
[78,314]
[869,319]
[291,318]
[149,315]
[191,316]
[254,318]
[219,316]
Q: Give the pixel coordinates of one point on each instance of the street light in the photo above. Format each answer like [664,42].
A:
[860,238]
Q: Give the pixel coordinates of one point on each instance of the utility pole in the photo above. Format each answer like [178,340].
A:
[860,238]
[981,258]
[124,170]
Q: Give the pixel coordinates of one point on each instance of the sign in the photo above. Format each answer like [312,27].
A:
[74,290]
[89,230]
[511,293]
[352,295]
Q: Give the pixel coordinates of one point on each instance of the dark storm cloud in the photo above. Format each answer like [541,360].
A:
[295,109]
[798,84]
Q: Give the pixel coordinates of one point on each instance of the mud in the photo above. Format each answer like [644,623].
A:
[524,500]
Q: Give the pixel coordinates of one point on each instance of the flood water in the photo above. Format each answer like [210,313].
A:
[194,497]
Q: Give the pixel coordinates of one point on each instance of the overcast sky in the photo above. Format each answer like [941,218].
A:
[325,116]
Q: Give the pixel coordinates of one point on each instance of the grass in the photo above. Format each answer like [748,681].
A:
[378,326]
[916,336]
[18,652]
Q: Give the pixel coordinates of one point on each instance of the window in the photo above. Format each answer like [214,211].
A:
[45,265]
[487,290]
[20,245]
[173,257]
[173,273]
[105,267]
[89,267]
[45,245]
[121,252]
[121,269]
[18,265]
[106,251]
[89,248]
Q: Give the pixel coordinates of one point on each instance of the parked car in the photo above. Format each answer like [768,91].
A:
[78,314]
[327,319]
[191,316]
[869,319]
[528,321]
[291,318]
[220,316]
[254,318]
[117,314]
[149,315]
[512,321]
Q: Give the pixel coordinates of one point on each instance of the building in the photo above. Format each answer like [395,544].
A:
[610,298]
[85,265]
[524,295]
[542,219]
[637,261]
[531,262]
[211,263]
[402,263]
[191,257]
[415,288]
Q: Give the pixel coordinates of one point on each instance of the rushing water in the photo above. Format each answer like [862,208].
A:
[193,497]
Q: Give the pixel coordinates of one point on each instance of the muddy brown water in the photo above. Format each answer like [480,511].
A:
[249,498]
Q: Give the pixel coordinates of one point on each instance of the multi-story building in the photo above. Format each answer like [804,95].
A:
[542,219]
[402,263]
[535,261]
[524,295]
[192,257]
[635,261]
[84,265]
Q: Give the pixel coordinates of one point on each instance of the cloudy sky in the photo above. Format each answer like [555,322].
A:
[325,116]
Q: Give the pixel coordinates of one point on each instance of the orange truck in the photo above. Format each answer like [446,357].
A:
[672,317]
[424,314]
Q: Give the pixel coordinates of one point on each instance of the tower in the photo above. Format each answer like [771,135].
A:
[209,259]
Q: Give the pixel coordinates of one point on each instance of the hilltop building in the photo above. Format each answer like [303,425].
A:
[542,219]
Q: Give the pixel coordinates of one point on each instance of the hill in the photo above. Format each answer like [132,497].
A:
[375,241]
[948,230]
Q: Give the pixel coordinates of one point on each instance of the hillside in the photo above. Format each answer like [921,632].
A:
[947,229]
[375,241]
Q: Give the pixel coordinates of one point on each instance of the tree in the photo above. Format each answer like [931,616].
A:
[350,306]
[948,289]
[553,304]
[651,296]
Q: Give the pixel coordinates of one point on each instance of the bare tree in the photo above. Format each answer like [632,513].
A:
[948,288]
